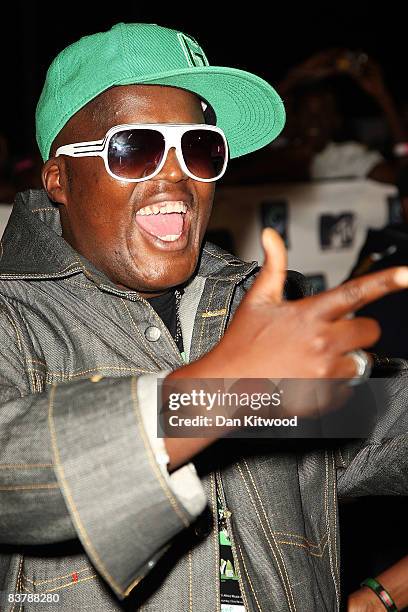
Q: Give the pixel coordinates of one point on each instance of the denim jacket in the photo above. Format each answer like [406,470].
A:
[87,512]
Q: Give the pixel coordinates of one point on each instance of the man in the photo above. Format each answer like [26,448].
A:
[97,511]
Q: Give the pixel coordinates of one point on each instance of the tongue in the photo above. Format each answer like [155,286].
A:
[161,224]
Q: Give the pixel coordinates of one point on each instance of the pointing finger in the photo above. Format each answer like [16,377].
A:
[358,292]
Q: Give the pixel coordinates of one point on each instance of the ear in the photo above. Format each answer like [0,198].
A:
[55,179]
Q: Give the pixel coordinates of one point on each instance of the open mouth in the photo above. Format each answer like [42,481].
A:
[164,221]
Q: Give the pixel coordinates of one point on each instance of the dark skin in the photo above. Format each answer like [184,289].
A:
[98,211]
[98,220]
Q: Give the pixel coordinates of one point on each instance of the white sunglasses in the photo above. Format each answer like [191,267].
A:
[137,152]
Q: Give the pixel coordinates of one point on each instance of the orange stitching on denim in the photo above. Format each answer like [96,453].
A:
[341,458]
[295,535]
[39,582]
[229,297]
[38,380]
[36,361]
[228,278]
[88,285]
[190,582]
[71,584]
[214,313]
[16,275]
[35,276]
[28,487]
[335,522]
[24,466]
[65,377]
[326,506]
[150,455]
[314,554]
[64,586]
[270,530]
[233,263]
[18,581]
[54,209]
[149,352]
[97,560]
[249,579]
[203,320]
[33,387]
[288,598]
[215,540]
[20,584]
[84,269]
[63,269]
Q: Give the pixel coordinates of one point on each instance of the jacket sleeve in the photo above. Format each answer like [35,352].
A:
[81,460]
[379,464]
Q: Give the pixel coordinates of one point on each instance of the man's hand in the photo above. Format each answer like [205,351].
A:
[331,62]
[307,338]
[367,74]
[364,600]
[271,338]
[317,67]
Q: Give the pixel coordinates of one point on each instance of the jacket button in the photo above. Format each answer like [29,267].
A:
[152,333]
[96,378]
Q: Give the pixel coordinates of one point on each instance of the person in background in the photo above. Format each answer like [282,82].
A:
[309,147]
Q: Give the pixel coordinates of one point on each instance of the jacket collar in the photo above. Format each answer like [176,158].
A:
[33,248]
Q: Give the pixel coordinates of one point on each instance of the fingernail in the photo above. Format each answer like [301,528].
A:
[401,277]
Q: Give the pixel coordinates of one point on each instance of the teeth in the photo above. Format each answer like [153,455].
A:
[168,207]
[170,237]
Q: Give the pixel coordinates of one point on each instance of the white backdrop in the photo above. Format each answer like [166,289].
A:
[324,222]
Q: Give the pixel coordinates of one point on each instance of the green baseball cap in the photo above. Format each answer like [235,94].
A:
[247,108]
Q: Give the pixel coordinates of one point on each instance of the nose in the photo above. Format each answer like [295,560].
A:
[171,171]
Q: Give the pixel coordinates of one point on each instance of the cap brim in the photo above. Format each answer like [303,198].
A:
[248,109]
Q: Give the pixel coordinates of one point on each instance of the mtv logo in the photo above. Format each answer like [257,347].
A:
[337,231]
[192,50]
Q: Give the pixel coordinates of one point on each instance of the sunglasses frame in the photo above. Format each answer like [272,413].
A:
[172,133]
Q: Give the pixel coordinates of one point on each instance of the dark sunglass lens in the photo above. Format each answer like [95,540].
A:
[204,153]
[134,154]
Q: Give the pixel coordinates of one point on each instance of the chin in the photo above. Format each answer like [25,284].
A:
[165,282]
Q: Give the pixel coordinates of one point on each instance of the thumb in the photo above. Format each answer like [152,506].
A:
[269,283]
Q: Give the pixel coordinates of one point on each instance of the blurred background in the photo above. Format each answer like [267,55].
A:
[334,184]
[268,40]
